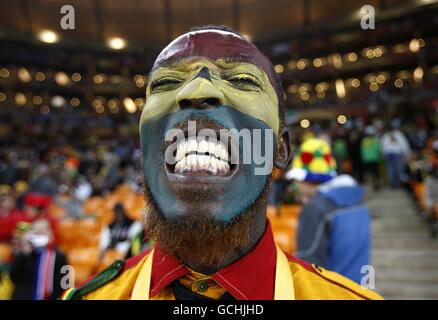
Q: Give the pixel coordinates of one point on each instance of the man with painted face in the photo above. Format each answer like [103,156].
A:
[213,108]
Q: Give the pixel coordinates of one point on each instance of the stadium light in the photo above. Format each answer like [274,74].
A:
[129,105]
[342,119]
[24,75]
[20,99]
[418,74]
[4,73]
[279,68]
[40,76]
[48,36]
[304,123]
[340,88]
[62,79]
[116,43]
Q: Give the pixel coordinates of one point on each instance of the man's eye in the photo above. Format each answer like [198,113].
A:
[245,81]
[165,84]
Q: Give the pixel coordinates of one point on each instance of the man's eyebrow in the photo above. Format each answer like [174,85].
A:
[169,63]
[232,60]
[179,64]
[221,61]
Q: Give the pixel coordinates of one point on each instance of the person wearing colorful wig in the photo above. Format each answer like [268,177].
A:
[334,224]
[206,210]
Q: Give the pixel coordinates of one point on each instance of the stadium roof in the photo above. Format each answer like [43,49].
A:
[154,22]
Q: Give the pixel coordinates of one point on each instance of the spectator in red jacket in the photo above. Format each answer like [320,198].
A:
[35,206]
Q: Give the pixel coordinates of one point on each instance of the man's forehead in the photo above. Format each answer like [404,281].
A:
[216,44]
[188,63]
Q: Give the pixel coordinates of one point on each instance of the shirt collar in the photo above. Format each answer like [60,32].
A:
[251,277]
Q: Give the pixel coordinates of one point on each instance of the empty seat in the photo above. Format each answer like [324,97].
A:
[109,257]
[290,210]
[5,252]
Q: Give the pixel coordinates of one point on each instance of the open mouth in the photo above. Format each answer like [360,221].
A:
[202,156]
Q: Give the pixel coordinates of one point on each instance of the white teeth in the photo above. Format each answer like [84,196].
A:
[191,160]
[219,166]
[223,168]
[202,145]
[223,153]
[178,166]
[192,145]
[201,160]
[191,156]
[182,163]
[213,163]
[212,148]
[181,151]
[207,161]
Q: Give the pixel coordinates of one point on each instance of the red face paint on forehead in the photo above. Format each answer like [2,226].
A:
[217,44]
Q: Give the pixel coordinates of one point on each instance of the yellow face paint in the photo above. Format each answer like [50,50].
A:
[240,85]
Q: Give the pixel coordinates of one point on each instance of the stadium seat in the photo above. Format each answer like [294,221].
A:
[284,226]
[420,195]
[109,257]
[290,210]
[93,205]
[84,261]
[5,252]
[83,256]
[285,239]
[82,273]
[79,233]
[271,212]
[57,211]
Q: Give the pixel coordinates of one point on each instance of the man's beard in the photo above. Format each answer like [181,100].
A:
[200,238]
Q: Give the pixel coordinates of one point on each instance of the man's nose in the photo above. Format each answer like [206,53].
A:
[200,93]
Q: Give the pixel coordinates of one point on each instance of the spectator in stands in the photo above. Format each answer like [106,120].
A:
[36,269]
[20,187]
[44,183]
[334,224]
[370,154]
[396,150]
[83,189]
[120,233]
[340,151]
[69,200]
[36,206]
[354,143]
[9,214]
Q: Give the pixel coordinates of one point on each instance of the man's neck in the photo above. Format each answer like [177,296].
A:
[257,230]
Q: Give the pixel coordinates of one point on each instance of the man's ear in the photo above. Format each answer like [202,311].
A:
[284,152]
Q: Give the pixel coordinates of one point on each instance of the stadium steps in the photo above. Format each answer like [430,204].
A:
[404,256]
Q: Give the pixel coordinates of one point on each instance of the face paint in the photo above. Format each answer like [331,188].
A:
[215,45]
[237,84]
[224,198]
[241,85]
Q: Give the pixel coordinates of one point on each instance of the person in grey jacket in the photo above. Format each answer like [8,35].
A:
[334,224]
